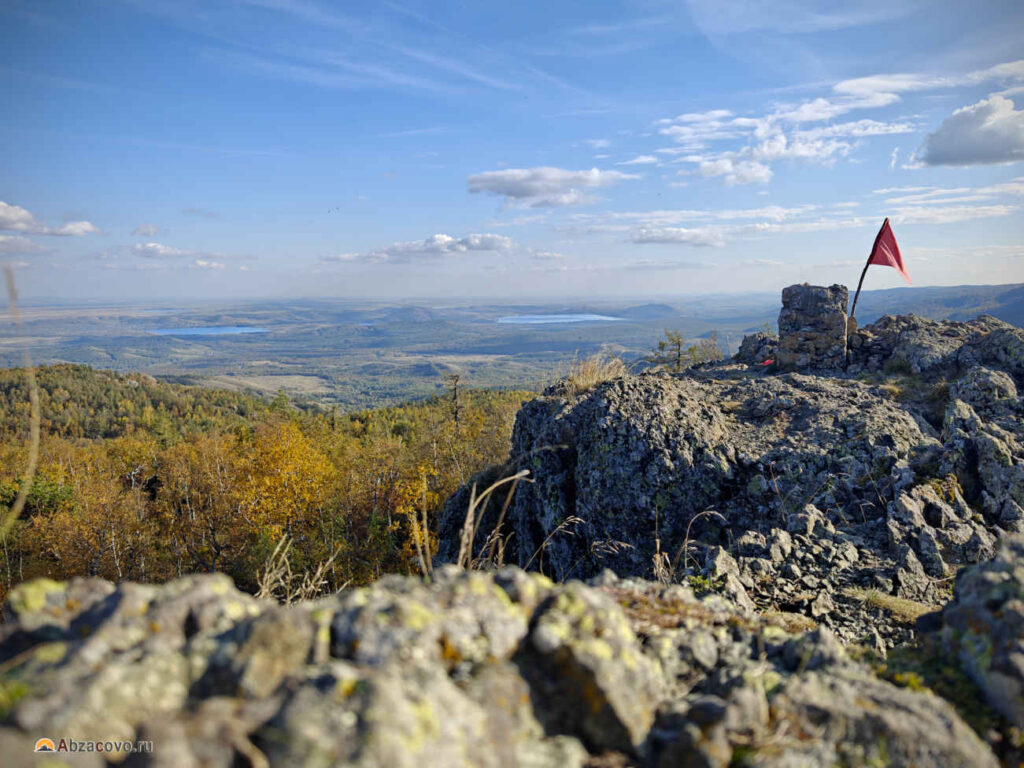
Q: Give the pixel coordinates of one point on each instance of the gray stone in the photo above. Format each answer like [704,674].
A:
[812,327]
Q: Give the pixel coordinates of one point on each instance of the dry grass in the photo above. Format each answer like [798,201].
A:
[902,610]
[277,580]
[794,623]
[586,374]
[494,547]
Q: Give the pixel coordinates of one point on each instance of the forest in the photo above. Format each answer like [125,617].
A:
[147,480]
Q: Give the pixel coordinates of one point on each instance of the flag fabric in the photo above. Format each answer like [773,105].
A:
[886,252]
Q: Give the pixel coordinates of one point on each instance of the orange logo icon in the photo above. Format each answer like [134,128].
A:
[45,745]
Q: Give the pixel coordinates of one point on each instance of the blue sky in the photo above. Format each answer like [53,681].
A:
[234,148]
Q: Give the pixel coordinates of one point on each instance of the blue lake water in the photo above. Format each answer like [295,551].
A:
[545,319]
[208,330]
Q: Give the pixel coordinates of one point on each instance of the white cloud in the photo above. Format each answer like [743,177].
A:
[146,230]
[781,221]
[432,247]
[699,236]
[991,131]
[153,252]
[11,245]
[768,139]
[882,90]
[950,214]
[697,129]
[548,256]
[543,186]
[14,218]
[647,265]
[669,217]
[598,143]
[158,251]
[74,229]
[735,171]
[642,160]
[947,195]
[857,129]
[997,128]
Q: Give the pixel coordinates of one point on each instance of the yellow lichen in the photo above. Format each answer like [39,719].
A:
[31,596]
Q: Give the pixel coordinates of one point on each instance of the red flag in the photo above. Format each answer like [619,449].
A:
[886,252]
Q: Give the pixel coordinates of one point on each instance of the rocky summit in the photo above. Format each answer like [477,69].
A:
[809,555]
[818,490]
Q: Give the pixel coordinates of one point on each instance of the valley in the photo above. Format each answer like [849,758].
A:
[353,354]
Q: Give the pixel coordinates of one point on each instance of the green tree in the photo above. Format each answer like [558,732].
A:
[670,352]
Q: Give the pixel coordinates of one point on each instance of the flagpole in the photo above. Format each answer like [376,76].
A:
[853,309]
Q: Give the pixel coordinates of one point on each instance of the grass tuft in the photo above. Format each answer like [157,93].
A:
[902,610]
[586,374]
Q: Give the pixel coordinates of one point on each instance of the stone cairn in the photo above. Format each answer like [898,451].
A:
[812,327]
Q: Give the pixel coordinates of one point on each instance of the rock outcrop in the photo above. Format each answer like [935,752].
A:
[809,493]
[474,669]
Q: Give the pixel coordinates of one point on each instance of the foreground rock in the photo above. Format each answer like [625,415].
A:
[983,629]
[850,499]
[499,669]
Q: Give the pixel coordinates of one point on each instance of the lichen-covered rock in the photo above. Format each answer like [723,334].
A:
[584,659]
[493,670]
[983,627]
[636,459]
[922,346]
[812,327]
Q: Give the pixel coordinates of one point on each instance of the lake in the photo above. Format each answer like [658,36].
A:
[545,319]
[208,330]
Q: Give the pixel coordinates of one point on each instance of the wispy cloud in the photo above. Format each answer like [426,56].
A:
[702,236]
[332,72]
[642,160]
[17,245]
[949,195]
[205,213]
[791,16]
[146,230]
[459,68]
[433,247]
[544,186]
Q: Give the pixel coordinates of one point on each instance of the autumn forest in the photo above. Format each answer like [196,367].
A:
[147,480]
